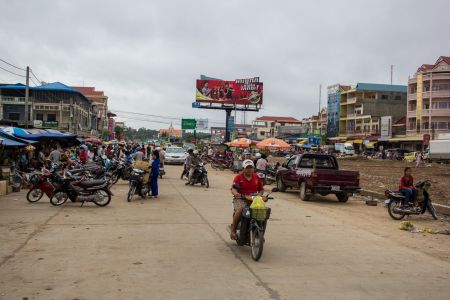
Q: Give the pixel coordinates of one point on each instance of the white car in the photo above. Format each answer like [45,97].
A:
[175,155]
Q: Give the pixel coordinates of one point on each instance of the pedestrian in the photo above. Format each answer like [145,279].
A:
[149,151]
[419,159]
[154,173]
[55,155]
[83,154]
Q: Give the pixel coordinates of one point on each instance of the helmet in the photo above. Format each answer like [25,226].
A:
[195,152]
[248,163]
[258,155]
[158,149]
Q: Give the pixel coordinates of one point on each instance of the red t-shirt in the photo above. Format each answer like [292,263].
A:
[247,187]
[406,182]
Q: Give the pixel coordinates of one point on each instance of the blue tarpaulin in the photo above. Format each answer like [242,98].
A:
[23,134]
[11,143]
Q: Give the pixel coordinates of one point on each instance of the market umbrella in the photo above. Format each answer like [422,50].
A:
[241,143]
[93,140]
[273,144]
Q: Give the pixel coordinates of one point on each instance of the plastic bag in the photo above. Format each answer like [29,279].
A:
[258,203]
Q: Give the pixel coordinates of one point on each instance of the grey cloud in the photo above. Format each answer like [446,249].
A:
[146,55]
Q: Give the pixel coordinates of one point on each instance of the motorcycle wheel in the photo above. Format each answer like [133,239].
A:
[131,191]
[432,210]
[35,194]
[256,243]
[206,181]
[393,204]
[59,198]
[114,178]
[106,198]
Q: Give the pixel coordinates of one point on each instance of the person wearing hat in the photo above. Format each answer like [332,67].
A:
[245,183]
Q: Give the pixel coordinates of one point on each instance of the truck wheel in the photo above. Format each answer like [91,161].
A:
[280,185]
[304,194]
[342,197]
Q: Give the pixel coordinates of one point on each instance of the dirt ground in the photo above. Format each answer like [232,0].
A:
[379,175]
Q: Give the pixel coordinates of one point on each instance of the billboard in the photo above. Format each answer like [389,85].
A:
[202,124]
[247,92]
[386,128]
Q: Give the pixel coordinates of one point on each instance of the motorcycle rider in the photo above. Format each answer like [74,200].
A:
[245,183]
[193,164]
[407,187]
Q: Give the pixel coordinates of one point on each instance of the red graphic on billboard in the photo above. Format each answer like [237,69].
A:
[241,91]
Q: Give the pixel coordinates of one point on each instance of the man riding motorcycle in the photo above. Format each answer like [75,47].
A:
[245,183]
[194,161]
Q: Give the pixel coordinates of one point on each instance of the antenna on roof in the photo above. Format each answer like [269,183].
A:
[392,72]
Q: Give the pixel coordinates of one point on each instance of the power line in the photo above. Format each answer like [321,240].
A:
[12,65]
[162,117]
[32,73]
[12,72]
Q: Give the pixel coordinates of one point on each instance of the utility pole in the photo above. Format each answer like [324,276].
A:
[320,98]
[27,93]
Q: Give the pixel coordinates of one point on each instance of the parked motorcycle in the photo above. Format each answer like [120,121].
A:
[123,170]
[40,184]
[252,226]
[138,184]
[77,190]
[200,175]
[423,202]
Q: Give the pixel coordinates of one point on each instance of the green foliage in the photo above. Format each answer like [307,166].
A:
[142,134]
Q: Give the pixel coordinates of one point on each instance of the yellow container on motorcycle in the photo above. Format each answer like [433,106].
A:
[143,165]
[258,209]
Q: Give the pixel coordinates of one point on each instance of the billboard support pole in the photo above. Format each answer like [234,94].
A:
[227,120]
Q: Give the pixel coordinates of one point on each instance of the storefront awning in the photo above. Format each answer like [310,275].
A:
[406,139]
[358,141]
[370,145]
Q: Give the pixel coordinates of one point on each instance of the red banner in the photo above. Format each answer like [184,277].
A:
[241,91]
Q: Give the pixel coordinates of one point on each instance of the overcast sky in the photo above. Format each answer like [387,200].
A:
[146,55]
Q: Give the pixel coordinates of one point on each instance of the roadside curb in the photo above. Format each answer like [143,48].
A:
[440,208]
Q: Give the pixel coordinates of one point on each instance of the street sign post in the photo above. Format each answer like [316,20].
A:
[188,124]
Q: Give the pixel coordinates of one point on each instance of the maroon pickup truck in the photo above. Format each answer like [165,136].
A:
[317,173]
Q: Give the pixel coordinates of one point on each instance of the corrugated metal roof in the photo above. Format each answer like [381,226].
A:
[376,87]
[54,86]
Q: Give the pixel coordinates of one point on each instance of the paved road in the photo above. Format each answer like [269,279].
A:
[177,247]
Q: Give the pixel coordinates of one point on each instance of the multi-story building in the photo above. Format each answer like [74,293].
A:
[429,100]
[268,126]
[363,105]
[52,105]
[100,100]
[316,124]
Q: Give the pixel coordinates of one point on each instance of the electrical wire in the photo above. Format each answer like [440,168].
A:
[12,72]
[32,73]
[163,117]
[12,65]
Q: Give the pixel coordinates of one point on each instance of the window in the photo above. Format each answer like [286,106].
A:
[14,116]
[51,117]
[398,97]
[291,163]
[385,97]
[318,162]
[262,133]
[443,105]
[40,117]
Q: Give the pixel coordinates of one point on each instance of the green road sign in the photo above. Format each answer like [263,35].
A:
[188,124]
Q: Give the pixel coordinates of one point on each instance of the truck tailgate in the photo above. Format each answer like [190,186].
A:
[336,177]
